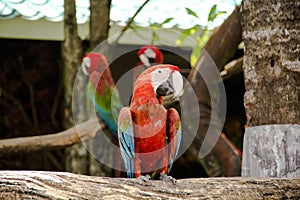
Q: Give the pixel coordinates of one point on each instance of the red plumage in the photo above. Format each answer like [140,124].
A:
[155,129]
[148,55]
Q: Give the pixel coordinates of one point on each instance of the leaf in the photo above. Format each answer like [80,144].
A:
[214,13]
[201,39]
[167,20]
[190,12]
[186,33]
[195,55]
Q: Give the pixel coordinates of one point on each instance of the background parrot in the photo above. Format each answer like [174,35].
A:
[149,135]
[101,88]
[148,56]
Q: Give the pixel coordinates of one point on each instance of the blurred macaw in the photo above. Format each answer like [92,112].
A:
[148,55]
[101,88]
[149,135]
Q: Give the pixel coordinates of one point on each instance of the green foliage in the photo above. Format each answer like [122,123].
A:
[214,13]
[202,31]
[201,39]
[166,21]
[203,35]
[190,12]
[186,33]
[154,27]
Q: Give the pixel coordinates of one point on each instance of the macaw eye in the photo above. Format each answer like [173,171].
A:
[160,75]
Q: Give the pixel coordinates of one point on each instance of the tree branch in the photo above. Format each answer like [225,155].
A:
[76,134]
[130,21]
[62,185]
[232,68]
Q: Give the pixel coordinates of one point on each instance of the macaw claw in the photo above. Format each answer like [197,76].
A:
[167,178]
[144,178]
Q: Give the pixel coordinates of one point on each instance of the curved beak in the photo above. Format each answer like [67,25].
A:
[84,69]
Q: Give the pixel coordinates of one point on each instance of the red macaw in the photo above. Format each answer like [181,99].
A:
[148,55]
[104,95]
[101,88]
[149,135]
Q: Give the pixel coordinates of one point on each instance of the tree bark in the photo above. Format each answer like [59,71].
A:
[72,53]
[224,158]
[271,32]
[99,21]
[62,185]
[99,27]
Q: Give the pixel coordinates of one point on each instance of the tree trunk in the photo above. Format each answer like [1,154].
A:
[271,32]
[99,27]
[99,21]
[72,53]
[62,185]
[224,158]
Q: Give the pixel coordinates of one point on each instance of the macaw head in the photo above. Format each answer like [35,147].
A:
[92,62]
[150,54]
[165,80]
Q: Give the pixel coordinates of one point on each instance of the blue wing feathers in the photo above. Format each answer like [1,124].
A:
[126,140]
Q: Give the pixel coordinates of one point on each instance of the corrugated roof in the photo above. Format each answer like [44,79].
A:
[156,11]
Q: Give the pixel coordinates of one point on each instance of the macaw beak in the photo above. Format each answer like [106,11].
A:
[172,86]
[84,69]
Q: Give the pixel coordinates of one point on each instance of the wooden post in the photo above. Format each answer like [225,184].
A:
[272,150]
[271,32]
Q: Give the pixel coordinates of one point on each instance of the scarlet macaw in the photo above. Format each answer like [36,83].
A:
[149,135]
[101,88]
[148,55]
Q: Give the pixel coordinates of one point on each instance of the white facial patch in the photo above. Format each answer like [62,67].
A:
[150,53]
[86,63]
[144,60]
[159,76]
[178,83]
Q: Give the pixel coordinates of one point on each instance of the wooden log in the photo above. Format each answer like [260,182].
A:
[63,185]
[272,151]
[225,157]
